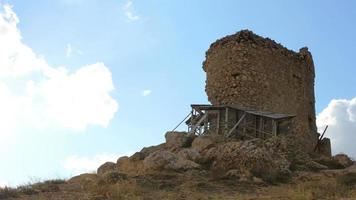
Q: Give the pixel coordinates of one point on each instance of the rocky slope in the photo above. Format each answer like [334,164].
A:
[206,167]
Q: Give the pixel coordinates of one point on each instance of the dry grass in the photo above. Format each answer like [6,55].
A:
[167,187]
[31,189]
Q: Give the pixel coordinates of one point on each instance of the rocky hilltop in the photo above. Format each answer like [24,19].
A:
[205,167]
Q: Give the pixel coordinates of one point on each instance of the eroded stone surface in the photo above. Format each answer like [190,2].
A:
[258,73]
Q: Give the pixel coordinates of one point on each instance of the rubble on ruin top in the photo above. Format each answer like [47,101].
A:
[247,37]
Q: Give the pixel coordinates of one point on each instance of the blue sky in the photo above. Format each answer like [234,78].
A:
[134,67]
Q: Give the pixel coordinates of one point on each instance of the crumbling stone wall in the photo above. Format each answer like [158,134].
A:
[258,73]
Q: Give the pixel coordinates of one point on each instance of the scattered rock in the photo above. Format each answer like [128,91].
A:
[257,180]
[314,166]
[167,160]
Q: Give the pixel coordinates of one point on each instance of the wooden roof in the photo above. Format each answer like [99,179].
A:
[247,110]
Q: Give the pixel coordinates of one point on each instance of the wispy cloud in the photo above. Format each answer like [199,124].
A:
[70,50]
[340,115]
[77,165]
[145,93]
[130,11]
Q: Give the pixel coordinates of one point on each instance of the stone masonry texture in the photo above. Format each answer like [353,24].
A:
[258,73]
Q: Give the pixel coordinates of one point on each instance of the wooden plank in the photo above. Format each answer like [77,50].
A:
[236,125]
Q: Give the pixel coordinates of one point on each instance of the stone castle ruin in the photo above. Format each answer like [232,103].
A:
[260,125]
[257,87]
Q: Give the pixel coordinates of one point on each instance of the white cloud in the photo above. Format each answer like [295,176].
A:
[34,94]
[16,59]
[340,115]
[146,93]
[78,165]
[129,11]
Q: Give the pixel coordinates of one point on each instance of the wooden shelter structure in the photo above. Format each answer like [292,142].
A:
[236,121]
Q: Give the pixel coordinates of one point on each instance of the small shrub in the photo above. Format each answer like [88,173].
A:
[276,179]
[55,181]
[7,192]
[348,179]
[28,190]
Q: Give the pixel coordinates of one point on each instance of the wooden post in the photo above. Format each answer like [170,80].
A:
[218,123]
[261,128]
[226,120]
[206,121]
[256,126]
[274,127]
[244,127]
[236,125]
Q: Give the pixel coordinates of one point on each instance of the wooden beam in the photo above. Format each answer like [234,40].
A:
[236,125]
[226,120]
[261,128]
[181,122]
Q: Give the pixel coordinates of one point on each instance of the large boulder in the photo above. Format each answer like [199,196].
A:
[292,148]
[130,166]
[112,177]
[165,160]
[84,179]
[141,155]
[251,156]
[202,143]
[177,140]
[106,167]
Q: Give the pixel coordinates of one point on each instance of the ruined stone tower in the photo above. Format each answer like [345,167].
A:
[258,73]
